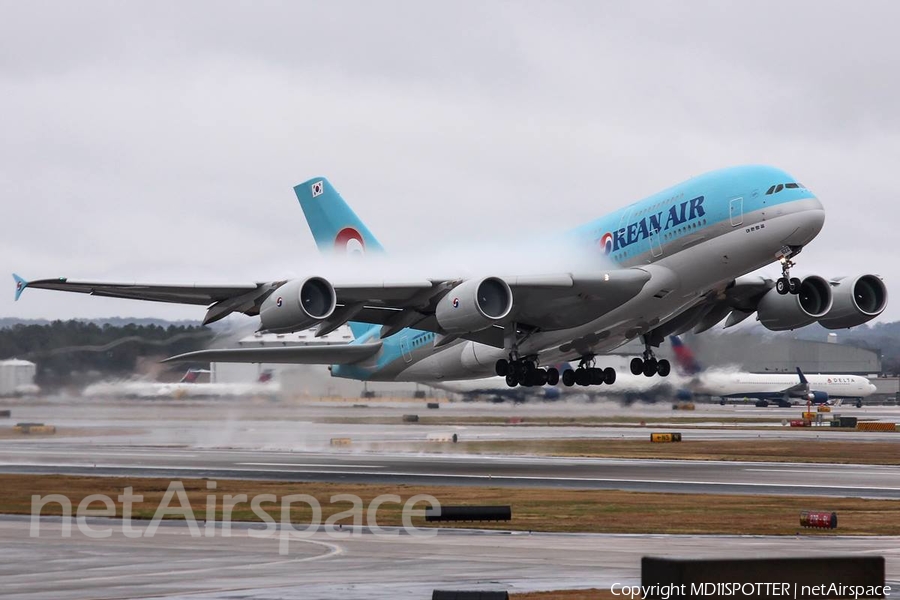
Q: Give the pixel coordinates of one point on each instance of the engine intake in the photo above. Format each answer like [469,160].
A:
[779,313]
[856,300]
[817,397]
[474,305]
[298,304]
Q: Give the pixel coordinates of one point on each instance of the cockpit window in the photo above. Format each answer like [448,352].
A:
[784,186]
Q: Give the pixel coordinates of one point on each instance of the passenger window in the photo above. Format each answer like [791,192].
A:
[778,188]
[771,189]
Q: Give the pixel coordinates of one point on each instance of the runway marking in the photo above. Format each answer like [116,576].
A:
[225,470]
[888,471]
[98,453]
[332,550]
[337,466]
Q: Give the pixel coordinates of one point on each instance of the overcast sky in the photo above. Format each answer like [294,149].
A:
[159,141]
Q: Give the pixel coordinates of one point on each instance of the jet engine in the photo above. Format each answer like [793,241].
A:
[856,300]
[818,397]
[474,305]
[298,304]
[790,311]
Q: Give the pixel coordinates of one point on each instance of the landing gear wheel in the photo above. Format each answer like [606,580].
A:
[783,286]
[511,380]
[637,366]
[568,377]
[794,285]
[540,377]
[650,367]
[663,368]
[609,376]
[518,369]
[582,377]
[501,367]
[552,376]
[596,376]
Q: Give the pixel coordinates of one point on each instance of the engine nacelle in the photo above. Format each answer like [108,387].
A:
[474,305]
[817,397]
[298,304]
[856,300]
[779,313]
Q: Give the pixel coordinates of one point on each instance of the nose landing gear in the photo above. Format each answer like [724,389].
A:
[787,284]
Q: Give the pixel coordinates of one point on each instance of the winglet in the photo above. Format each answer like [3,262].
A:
[802,376]
[21,284]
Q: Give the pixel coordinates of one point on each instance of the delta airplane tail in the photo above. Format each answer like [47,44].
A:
[684,357]
[336,228]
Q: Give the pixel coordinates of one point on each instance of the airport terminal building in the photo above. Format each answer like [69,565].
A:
[778,354]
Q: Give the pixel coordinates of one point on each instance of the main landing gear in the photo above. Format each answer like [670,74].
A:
[787,284]
[587,374]
[648,366]
[525,372]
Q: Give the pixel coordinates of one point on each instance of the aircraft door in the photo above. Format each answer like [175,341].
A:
[404,348]
[736,211]
[655,243]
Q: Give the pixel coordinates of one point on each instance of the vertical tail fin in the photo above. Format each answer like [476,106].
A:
[684,357]
[336,228]
[334,225]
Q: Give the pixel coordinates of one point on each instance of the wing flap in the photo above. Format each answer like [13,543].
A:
[343,354]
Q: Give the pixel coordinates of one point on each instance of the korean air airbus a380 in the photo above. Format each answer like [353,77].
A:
[670,263]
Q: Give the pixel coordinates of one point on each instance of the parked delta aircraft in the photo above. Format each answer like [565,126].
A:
[774,388]
[673,262]
[782,388]
[188,387]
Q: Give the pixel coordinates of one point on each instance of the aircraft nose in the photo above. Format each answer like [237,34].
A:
[872,388]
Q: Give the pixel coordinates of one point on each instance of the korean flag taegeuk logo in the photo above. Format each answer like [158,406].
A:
[318,188]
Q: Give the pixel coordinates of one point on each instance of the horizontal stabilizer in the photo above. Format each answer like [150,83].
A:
[343,354]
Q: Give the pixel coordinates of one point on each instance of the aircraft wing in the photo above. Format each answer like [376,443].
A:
[342,354]
[394,304]
[802,385]
[737,301]
[413,304]
[221,299]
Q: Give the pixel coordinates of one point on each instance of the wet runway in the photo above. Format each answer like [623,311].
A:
[711,477]
[304,426]
[290,441]
[175,565]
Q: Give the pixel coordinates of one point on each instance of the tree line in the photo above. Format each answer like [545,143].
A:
[68,350]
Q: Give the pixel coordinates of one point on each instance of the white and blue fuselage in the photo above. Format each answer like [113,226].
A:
[694,238]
